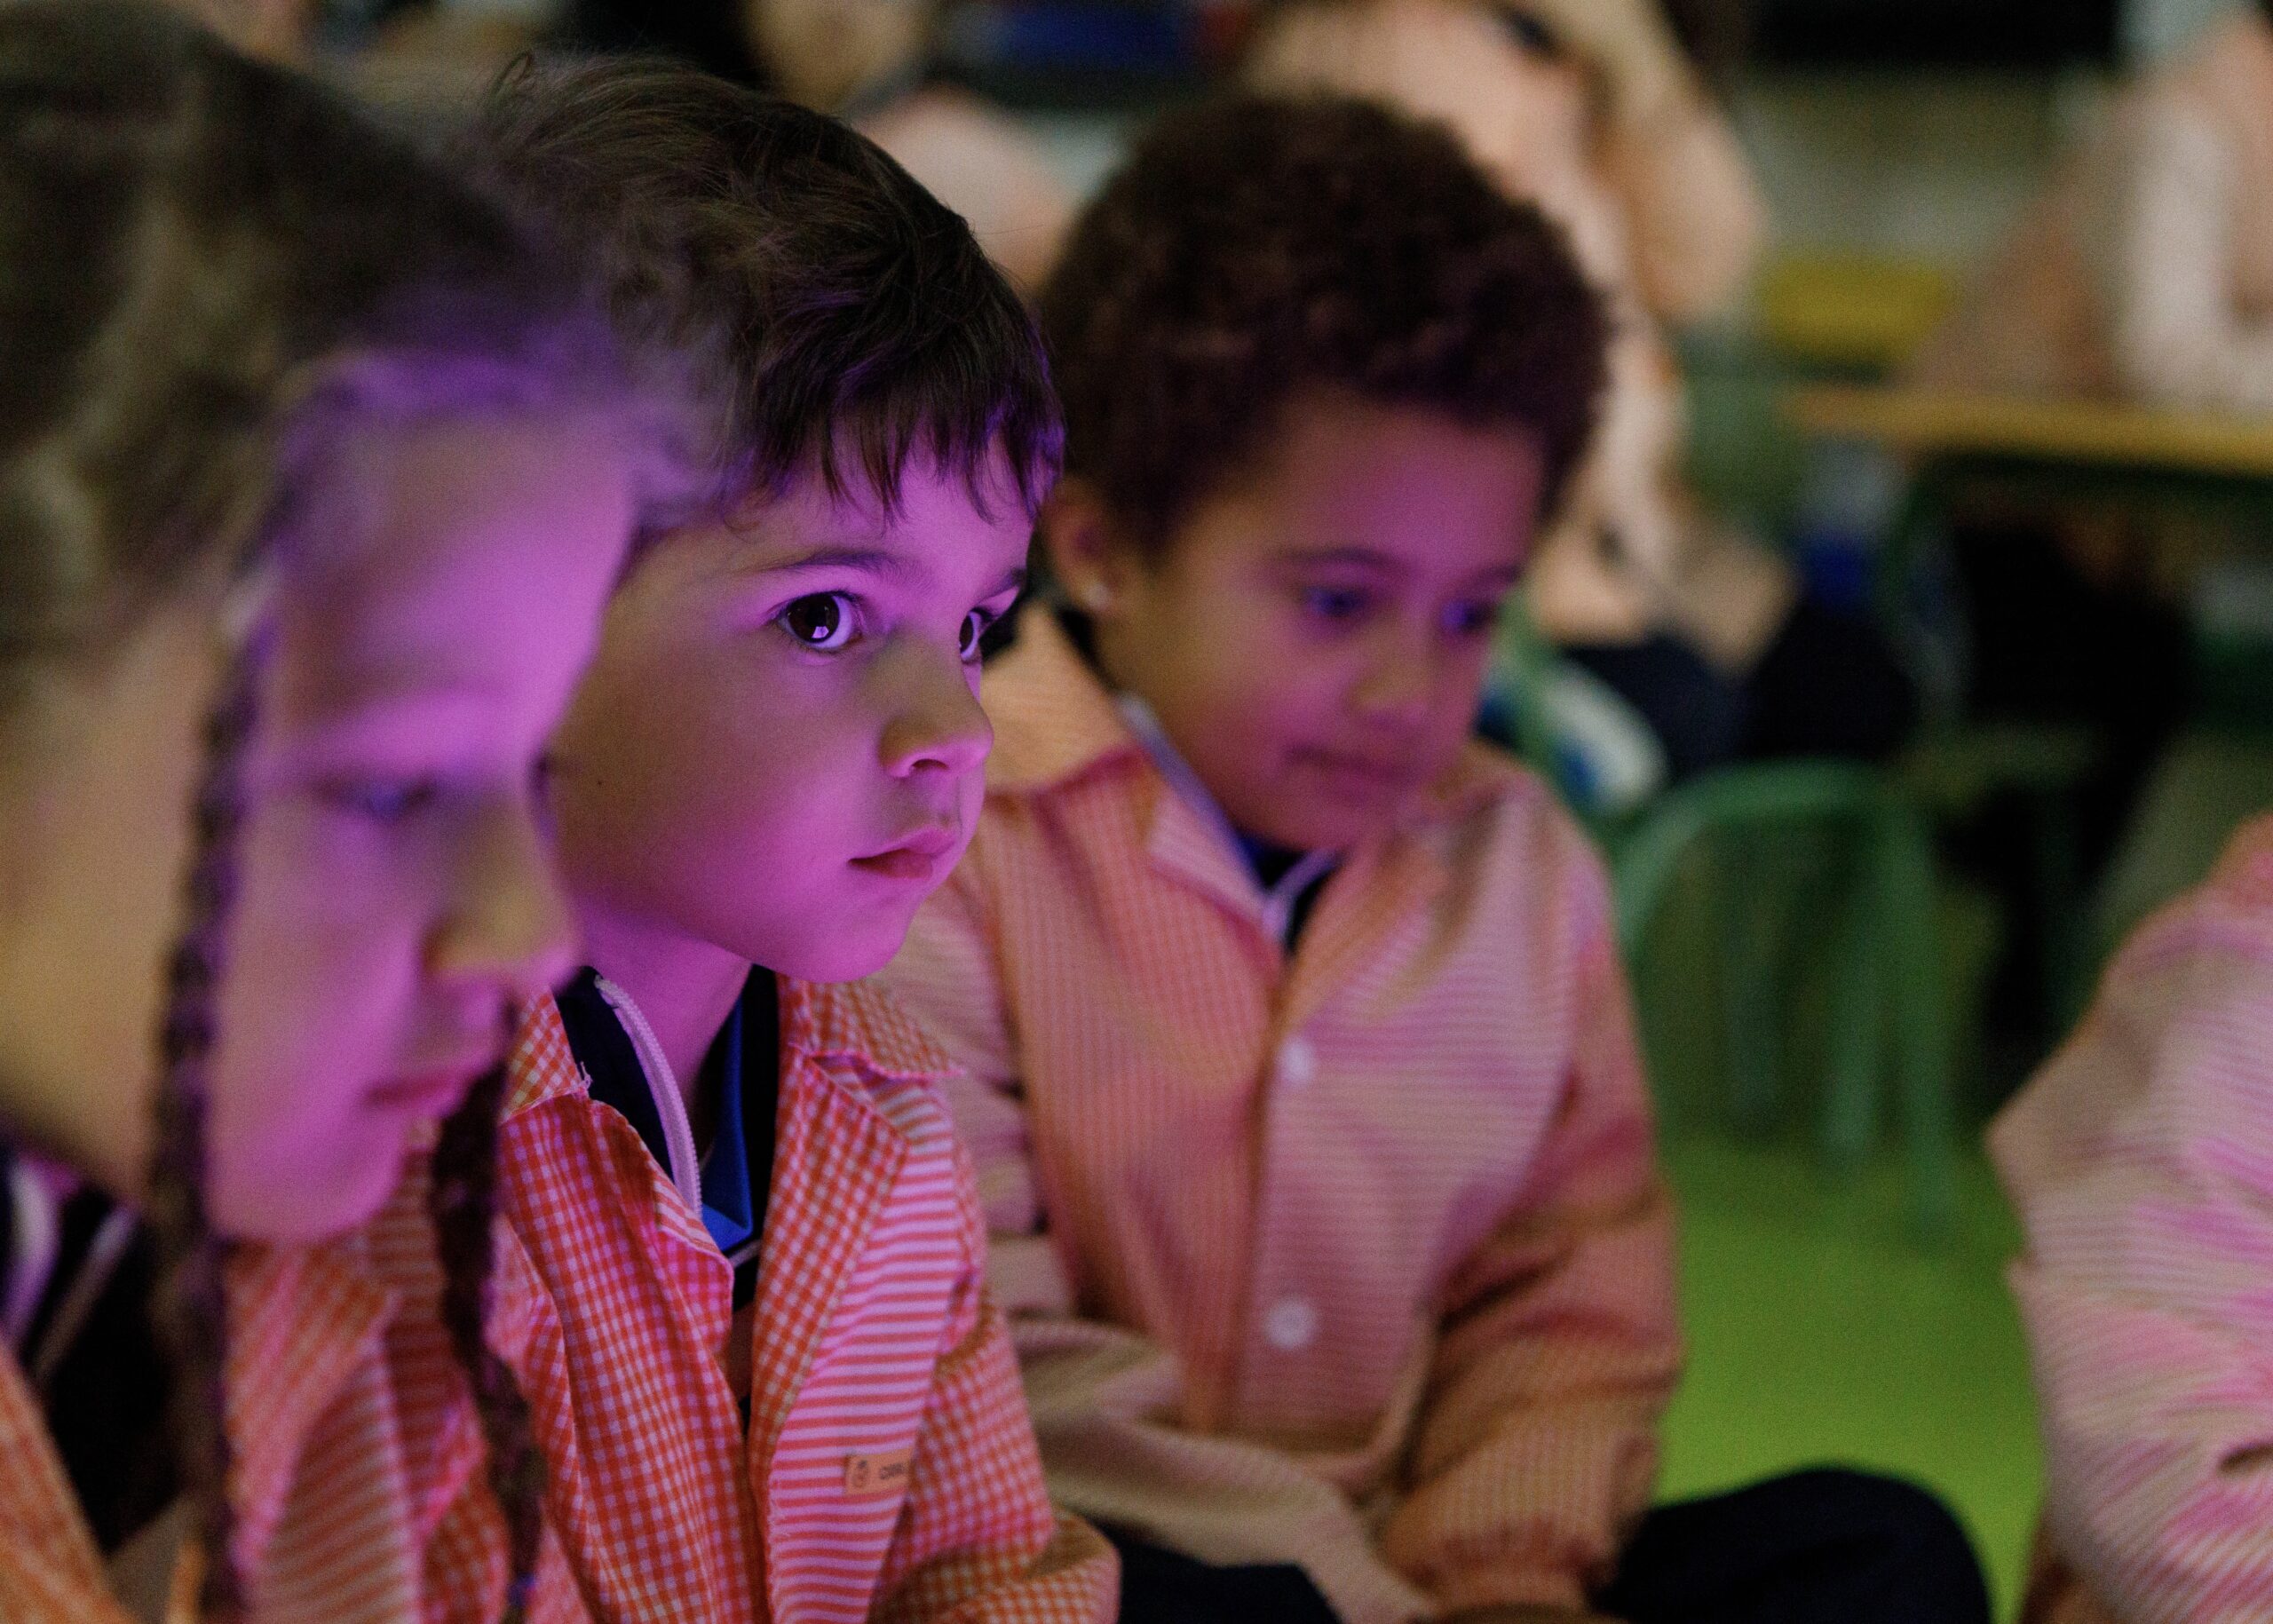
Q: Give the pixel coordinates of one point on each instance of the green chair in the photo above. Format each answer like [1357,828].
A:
[1879,945]
[1886,1016]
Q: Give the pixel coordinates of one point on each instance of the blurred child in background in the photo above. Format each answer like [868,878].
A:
[291,419]
[744,1289]
[2147,273]
[869,62]
[1302,1077]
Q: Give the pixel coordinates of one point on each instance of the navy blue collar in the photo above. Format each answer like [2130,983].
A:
[737,1167]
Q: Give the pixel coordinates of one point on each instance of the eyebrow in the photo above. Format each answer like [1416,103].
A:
[1496,576]
[1364,558]
[889,565]
[867,561]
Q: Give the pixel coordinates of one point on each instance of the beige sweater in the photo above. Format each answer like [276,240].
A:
[2148,271]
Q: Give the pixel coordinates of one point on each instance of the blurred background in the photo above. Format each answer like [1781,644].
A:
[1912,637]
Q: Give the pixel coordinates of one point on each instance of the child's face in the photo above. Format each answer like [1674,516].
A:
[1314,637]
[777,753]
[826,52]
[397,892]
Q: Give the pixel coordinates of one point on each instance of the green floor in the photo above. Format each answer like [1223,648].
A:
[1820,1332]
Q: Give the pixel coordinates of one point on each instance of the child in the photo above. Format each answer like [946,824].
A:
[1304,1088]
[2138,1162]
[873,63]
[743,1293]
[2148,271]
[233,312]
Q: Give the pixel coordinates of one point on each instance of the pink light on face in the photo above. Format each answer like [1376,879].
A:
[779,750]
[1314,640]
[398,893]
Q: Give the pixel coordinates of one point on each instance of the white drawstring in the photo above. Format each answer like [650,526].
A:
[663,1083]
[35,1242]
[87,1287]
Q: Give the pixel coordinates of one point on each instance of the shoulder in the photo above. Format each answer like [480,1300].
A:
[2168,1063]
[1505,821]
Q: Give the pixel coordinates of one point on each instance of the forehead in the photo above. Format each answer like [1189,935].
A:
[941,529]
[454,552]
[1417,485]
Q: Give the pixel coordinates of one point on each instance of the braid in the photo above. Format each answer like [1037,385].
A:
[189,1305]
[461,1201]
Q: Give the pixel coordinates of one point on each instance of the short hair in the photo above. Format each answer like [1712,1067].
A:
[1259,248]
[855,320]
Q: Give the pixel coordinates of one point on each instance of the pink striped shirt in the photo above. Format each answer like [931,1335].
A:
[2140,1162]
[1355,1256]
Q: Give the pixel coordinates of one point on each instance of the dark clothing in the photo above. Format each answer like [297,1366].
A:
[1828,684]
[1158,1585]
[105,1386]
[1825,1546]
[2051,646]
[737,1167]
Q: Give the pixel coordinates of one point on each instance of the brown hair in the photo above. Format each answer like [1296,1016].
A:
[209,271]
[1258,247]
[856,319]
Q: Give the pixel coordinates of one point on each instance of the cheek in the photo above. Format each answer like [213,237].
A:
[324,969]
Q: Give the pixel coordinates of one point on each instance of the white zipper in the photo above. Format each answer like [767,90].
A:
[662,1085]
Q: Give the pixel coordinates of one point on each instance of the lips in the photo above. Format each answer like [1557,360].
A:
[1381,775]
[432,1091]
[917,856]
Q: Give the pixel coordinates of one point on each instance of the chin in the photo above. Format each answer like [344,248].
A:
[844,955]
[295,1205]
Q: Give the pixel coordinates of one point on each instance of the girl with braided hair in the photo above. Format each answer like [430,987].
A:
[289,416]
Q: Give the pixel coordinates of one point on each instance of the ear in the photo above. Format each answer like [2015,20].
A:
[1089,556]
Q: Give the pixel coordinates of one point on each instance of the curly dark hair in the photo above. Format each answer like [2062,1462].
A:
[856,319]
[1259,248]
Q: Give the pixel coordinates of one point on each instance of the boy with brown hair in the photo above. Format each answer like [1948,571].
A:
[742,1285]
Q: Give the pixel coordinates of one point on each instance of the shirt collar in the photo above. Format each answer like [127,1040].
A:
[857,1023]
[1280,896]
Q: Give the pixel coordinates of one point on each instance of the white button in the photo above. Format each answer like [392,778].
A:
[1297,1063]
[1291,1325]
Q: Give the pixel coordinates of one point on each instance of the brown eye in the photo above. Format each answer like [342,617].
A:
[825,621]
[974,631]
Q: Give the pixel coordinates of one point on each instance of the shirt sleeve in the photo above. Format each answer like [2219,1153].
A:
[1103,1400]
[2178,336]
[2141,1163]
[1537,1448]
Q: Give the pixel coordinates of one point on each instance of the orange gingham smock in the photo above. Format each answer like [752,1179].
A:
[329,1508]
[2140,1161]
[1359,1260]
[875,1348]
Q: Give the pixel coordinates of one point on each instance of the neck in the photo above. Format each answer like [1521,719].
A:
[685,988]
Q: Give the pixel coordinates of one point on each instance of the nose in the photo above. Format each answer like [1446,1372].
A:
[507,924]
[936,723]
[1399,678]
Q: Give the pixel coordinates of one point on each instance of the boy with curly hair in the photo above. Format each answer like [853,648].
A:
[1302,1077]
